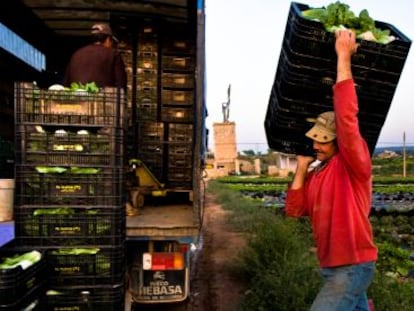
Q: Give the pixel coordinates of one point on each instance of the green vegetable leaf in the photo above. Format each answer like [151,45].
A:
[50,169]
[24,260]
[339,15]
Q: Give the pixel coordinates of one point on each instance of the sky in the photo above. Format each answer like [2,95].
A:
[243,43]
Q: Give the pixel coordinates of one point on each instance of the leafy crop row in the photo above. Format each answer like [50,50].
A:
[279,268]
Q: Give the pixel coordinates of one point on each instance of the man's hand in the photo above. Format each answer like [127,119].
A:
[345,44]
[345,47]
[304,161]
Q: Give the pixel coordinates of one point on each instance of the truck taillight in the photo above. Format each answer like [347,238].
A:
[163,261]
[183,248]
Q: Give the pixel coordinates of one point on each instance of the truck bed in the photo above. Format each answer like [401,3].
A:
[162,221]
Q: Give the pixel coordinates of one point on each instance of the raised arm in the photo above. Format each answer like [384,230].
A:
[345,46]
[352,146]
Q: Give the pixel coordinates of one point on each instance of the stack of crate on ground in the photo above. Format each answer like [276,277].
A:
[69,191]
[23,279]
[306,73]
[165,104]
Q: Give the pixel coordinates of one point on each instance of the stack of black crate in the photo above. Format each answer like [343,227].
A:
[306,73]
[165,104]
[69,191]
[150,130]
[177,106]
[22,288]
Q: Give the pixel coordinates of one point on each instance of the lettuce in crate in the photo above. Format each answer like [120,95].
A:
[24,260]
[338,15]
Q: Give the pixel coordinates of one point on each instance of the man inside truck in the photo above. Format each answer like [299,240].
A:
[336,194]
[98,62]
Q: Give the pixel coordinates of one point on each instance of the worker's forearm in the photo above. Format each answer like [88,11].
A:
[344,71]
[299,178]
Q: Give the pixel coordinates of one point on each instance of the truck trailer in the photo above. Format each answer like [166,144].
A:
[163,47]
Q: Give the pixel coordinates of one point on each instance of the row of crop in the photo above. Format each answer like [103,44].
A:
[381,185]
[280,272]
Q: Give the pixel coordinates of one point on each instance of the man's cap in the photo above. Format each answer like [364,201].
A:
[104,29]
[324,129]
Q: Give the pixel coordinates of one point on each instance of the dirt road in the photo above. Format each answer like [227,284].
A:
[214,286]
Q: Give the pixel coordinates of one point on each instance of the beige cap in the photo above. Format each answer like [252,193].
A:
[104,29]
[324,129]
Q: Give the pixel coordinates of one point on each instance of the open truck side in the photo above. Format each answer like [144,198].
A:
[165,187]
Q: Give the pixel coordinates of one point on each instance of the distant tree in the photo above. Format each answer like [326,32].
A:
[249,152]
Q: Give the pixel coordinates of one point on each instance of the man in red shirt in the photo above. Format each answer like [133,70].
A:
[336,194]
[97,62]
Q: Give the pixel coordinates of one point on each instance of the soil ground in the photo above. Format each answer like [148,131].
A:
[215,287]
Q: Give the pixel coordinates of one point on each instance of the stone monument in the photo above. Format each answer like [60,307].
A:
[225,147]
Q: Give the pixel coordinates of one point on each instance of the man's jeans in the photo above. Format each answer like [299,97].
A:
[344,288]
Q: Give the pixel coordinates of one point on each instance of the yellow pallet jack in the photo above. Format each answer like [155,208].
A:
[140,183]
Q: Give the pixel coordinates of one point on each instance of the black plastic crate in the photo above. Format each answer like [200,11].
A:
[147,83]
[7,158]
[302,51]
[171,97]
[28,300]
[179,176]
[318,42]
[291,141]
[86,265]
[289,146]
[147,60]
[85,298]
[180,149]
[70,146]
[150,132]
[147,93]
[39,106]
[70,186]
[181,133]
[177,46]
[148,39]
[64,226]
[16,282]
[178,165]
[293,103]
[177,80]
[144,74]
[148,45]
[284,101]
[155,150]
[147,110]
[307,71]
[312,71]
[180,63]
[285,130]
[177,114]
[184,161]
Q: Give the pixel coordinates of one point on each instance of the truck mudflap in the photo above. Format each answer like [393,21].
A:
[160,286]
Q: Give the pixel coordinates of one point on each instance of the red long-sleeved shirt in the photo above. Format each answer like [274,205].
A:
[338,197]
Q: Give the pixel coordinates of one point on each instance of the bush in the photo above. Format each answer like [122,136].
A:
[282,274]
[281,271]
[391,294]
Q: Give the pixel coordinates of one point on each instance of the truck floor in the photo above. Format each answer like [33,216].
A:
[162,220]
